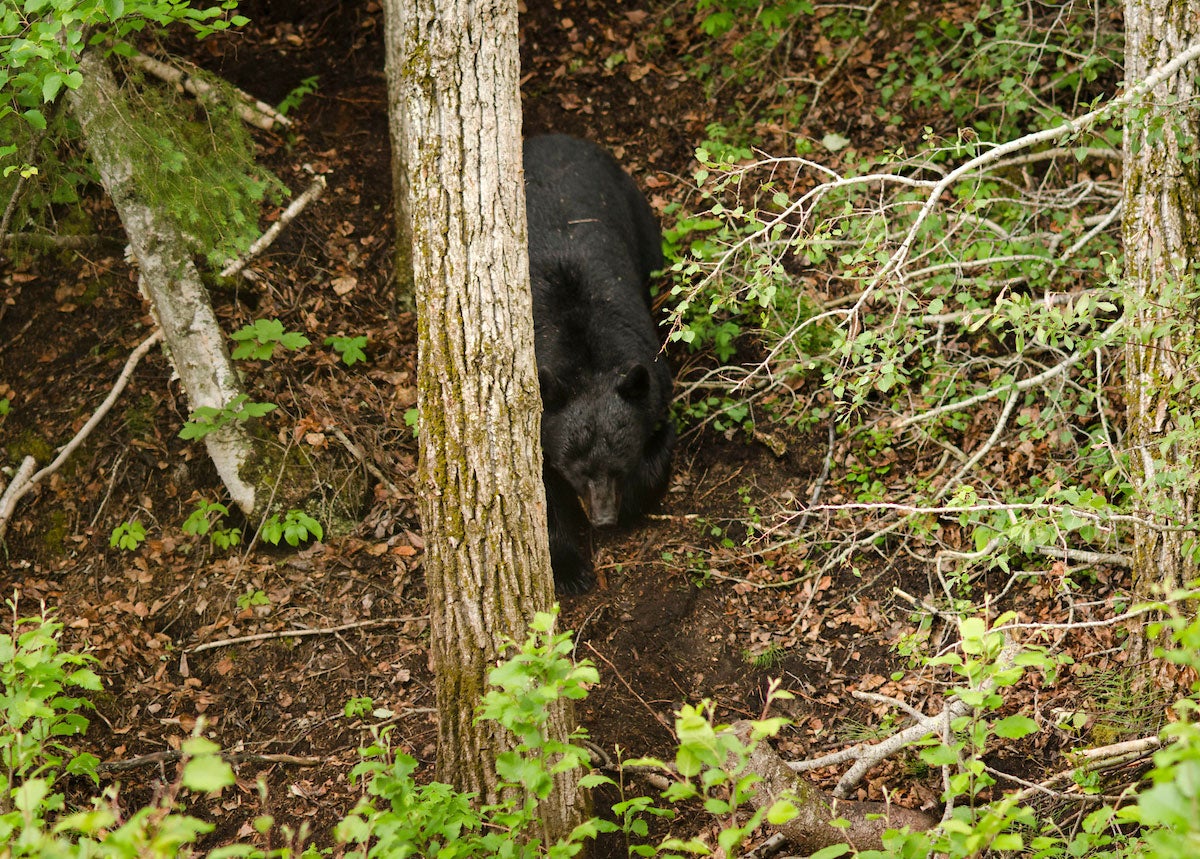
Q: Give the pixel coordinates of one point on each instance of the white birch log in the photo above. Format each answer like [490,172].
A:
[168,278]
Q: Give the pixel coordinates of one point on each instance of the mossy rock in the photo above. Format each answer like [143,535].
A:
[326,483]
[29,443]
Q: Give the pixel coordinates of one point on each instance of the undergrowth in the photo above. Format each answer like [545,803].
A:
[942,306]
[399,817]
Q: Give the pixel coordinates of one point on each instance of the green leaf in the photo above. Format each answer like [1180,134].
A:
[782,811]
[1015,727]
[35,118]
[939,756]
[85,678]
[831,852]
[207,774]
[51,84]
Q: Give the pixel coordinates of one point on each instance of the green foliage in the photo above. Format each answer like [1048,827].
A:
[751,31]
[193,161]
[37,712]
[399,818]
[206,518]
[127,536]
[1007,66]
[41,44]
[352,349]
[207,419]
[252,598]
[259,339]
[297,527]
[356,708]
[712,767]
[986,664]
[292,100]
[412,420]
[4,407]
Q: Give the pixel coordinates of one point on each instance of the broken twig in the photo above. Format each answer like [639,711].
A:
[300,633]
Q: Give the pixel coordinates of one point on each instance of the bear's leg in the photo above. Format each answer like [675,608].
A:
[568,527]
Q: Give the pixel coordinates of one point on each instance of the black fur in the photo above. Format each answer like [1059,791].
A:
[606,434]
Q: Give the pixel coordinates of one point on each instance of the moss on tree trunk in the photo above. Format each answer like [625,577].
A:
[483,507]
[1161,230]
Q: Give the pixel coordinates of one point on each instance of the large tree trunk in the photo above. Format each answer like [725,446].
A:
[167,277]
[483,507]
[1162,249]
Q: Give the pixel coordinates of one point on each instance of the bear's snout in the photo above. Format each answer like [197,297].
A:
[602,502]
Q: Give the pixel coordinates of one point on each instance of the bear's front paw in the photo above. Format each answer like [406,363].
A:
[574,577]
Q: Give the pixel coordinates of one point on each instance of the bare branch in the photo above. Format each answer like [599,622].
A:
[266,239]
[300,633]
[20,486]
[250,109]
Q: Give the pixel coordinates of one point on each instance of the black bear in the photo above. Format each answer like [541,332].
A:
[606,387]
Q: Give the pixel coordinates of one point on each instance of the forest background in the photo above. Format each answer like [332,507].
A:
[901,351]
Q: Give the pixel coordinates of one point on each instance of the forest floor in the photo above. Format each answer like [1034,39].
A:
[681,613]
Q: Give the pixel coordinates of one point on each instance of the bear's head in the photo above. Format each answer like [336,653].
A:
[595,436]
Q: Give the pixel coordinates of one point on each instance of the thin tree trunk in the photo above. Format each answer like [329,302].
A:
[402,278]
[167,277]
[483,507]
[1162,249]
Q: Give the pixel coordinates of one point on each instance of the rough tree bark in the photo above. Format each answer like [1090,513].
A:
[483,507]
[167,277]
[1161,231]
[402,277]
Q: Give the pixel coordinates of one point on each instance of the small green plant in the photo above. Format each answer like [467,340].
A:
[296,527]
[37,714]
[352,349]
[712,766]
[412,420]
[208,419]
[723,412]
[291,101]
[127,536]
[357,708]
[206,518]
[401,818]
[767,659]
[258,340]
[252,598]
[4,406]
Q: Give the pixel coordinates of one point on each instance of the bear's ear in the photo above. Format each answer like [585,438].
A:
[633,381]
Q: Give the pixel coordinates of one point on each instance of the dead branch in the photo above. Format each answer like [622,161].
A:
[299,633]
[357,453]
[1091,760]
[869,756]
[267,239]
[161,758]
[19,485]
[45,241]
[250,109]
[810,830]
[1086,557]
[815,495]
[23,480]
